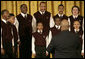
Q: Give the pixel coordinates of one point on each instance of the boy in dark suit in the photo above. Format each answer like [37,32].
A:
[54,30]
[39,42]
[77,30]
[12,28]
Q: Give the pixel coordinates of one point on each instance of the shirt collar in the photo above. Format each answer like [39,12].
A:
[57,26]
[4,20]
[39,31]
[76,30]
[41,12]
[75,16]
[60,15]
[24,14]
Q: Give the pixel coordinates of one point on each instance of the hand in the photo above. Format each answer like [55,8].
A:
[19,42]
[82,54]
[13,49]
[2,51]
[46,53]
[33,55]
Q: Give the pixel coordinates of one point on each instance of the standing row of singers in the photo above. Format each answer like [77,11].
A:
[34,33]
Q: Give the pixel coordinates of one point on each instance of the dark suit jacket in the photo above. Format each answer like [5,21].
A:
[66,45]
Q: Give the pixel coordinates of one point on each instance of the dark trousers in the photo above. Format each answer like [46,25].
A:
[15,50]
[8,50]
[40,51]
[25,49]
[53,53]
[4,56]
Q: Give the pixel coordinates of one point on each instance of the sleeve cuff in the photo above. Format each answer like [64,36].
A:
[34,52]
[1,46]
[82,51]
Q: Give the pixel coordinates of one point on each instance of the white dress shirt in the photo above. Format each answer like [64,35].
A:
[13,37]
[24,15]
[1,39]
[60,15]
[33,42]
[76,30]
[83,44]
[42,12]
[34,24]
[52,23]
[16,23]
[83,38]
[75,16]
[4,21]
[50,33]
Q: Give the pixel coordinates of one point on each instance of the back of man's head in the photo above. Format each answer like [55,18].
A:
[64,25]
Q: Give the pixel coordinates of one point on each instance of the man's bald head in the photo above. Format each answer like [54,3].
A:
[64,24]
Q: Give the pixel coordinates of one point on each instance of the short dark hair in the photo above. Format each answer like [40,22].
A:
[39,22]
[64,19]
[60,5]
[22,5]
[56,18]
[5,10]
[10,15]
[76,7]
[42,2]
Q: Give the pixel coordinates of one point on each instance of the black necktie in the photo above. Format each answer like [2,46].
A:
[75,18]
[25,17]
[40,32]
[58,27]
[77,31]
[60,16]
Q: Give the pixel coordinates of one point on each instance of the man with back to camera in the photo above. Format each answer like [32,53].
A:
[66,44]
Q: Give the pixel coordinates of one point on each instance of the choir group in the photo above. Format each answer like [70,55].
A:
[34,33]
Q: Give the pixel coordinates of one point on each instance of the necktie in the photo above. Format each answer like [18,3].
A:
[60,16]
[40,32]
[13,37]
[58,27]
[75,18]
[25,17]
[76,31]
[42,13]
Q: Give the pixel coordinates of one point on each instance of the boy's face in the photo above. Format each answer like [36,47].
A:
[57,21]
[43,7]
[24,9]
[76,25]
[6,14]
[40,26]
[75,11]
[61,9]
[11,19]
